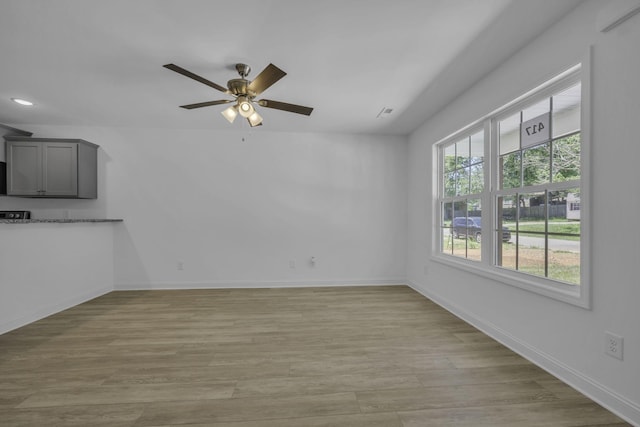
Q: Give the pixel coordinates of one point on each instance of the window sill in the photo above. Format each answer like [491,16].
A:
[571,294]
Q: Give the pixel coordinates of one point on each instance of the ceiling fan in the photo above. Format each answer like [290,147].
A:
[244,91]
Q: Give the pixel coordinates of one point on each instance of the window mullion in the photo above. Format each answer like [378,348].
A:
[490,179]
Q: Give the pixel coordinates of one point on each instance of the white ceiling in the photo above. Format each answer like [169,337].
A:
[99,63]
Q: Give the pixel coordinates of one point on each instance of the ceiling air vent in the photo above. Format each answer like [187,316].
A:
[384,113]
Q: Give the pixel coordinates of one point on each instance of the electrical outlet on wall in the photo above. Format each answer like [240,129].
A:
[613,345]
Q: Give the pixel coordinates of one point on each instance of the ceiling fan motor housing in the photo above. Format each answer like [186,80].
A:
[238,86]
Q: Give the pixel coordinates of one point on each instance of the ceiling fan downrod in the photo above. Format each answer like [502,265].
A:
[243,70]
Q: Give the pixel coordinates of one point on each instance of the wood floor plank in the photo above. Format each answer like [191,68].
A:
[483,359]
[380,356]
[554,413]
[390,419]
[292,386]
[73,416]
[10,397]
[43,378]
[112,359]
[200,374]
[453,396]
[483,375]
[338,367]
[127,393]
[249,409]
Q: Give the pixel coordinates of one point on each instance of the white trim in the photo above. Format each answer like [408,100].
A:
[51,309]
[539,285]
[599,393]
[257,284]
[540,188]
[615,14]
[586,134]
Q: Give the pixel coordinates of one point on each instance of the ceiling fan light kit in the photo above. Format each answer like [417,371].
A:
[244,92]
[244,106]
[255,119]
[230,113]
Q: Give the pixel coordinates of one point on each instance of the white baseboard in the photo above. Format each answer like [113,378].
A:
[53,308]
[238,284]
[614,402]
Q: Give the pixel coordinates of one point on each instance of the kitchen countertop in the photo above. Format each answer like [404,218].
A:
[55,221]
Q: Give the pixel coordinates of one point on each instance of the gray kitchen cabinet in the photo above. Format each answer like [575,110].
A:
[46,167]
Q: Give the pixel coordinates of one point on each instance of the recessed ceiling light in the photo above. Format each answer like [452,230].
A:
[22,101]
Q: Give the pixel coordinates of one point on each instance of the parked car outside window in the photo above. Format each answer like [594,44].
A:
[471,227]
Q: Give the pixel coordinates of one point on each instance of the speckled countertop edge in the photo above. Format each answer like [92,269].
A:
[55,221]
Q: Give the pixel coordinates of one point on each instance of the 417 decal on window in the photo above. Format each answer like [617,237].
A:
[537,127]
[535,131]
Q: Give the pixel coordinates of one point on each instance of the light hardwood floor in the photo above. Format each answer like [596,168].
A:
[321,357]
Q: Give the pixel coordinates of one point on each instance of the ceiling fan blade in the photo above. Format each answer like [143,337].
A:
[186,73]
[265,79]
[292,108]
[205,104]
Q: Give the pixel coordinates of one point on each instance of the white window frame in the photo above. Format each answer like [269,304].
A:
[483,196]
[579,295]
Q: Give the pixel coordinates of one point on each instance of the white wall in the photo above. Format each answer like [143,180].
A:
[46,268]
[235,213]
[564,339]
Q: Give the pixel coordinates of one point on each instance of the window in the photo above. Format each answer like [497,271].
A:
[510,188]
[463,184]
[538,170]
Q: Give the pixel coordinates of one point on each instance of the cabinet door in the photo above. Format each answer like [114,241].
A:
[60,169]
[24,169]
